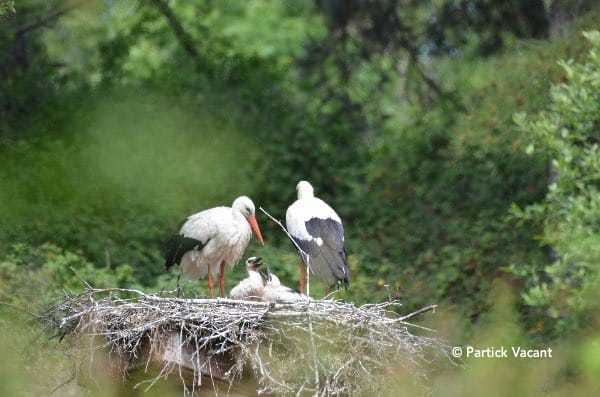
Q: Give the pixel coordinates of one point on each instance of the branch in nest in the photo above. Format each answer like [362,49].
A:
[304,254]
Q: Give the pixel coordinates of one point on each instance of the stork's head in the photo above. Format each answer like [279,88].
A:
[245,206]
[304,190]
[253,263]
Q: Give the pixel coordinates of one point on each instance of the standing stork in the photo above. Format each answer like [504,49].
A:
[212,239]
[318,231]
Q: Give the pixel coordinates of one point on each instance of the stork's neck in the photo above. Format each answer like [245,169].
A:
[305,192]
[237,213]
[239,217]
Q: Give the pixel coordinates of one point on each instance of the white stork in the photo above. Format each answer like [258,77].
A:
[318,231]
[252,287]
[212,239]
[263,286]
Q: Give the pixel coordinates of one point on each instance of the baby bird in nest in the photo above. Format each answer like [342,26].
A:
[263,286]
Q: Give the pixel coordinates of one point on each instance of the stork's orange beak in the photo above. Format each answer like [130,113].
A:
[255,228]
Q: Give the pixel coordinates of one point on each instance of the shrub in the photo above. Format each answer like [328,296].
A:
[566,135]
[36,275]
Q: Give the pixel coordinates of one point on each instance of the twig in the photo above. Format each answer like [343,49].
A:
[416,313]
[313,349]
[21,309]
[284,230]
[63,383]
[303,255]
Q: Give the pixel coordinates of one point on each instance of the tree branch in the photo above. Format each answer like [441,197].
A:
[413,55]
[183,37]
[45,21]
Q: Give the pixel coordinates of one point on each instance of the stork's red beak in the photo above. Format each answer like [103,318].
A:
[255,228]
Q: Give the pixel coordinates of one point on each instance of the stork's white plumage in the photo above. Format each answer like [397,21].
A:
[275,291]
[318,231]
[213,239]
[264,286]
[252,287]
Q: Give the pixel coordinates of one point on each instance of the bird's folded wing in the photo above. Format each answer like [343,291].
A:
[326,249]
[177,246]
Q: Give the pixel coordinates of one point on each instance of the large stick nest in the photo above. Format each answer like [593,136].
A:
[322,347]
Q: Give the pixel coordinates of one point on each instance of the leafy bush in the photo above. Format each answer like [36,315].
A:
[37,275]
[433,224]
[567,136]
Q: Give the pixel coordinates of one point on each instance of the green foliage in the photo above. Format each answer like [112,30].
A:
[449,178]
[444,236]
[487,23]
[39,275]
[26,71]
[566,134]
[121,179]
[7,7]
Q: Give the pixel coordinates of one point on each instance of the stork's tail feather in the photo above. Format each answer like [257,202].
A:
[346,282]
[346,270]
[177,246]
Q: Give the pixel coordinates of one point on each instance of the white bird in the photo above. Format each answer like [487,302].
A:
[276,292]
[263,286]
[252,287]
[318,231]
[212,239]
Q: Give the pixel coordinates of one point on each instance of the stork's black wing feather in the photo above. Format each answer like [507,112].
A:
[329,258]
[331,231]
[177,246]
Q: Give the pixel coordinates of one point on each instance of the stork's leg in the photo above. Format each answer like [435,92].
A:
[302,277]
[222,279]
[178,287]
[210,284]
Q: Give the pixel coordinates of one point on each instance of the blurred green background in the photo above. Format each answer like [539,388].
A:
[457,139]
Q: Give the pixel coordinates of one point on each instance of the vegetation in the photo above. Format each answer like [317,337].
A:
[458,140]
[566,136]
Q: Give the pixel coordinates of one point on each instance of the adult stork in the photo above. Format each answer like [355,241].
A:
[212,239]
[262,285]
[318,231]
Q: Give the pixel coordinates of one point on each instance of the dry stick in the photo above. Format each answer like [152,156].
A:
[64,383]
[303,254]
[416,313]
[313,348]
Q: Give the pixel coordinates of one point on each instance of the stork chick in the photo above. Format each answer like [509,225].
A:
[252,287]
[262,285]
